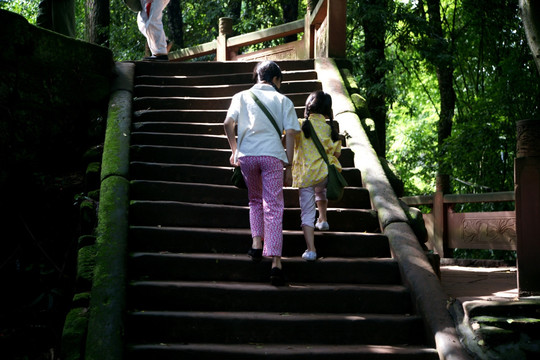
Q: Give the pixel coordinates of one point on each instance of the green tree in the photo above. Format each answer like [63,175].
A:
[495,83]
[98,20]
[176,23]
[530,14]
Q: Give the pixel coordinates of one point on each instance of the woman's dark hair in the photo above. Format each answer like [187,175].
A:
[265,71]
[319,102]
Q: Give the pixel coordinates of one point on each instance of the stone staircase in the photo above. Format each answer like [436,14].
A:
[194,293]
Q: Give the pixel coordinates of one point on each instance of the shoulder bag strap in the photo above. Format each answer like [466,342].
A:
[317,142]
[265,110]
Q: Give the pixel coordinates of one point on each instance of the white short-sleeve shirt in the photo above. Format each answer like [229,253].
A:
[256,134]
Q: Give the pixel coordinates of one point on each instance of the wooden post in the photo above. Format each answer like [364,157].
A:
[225,29]
[527,195]
[337,28]
[439,221]
[309,37]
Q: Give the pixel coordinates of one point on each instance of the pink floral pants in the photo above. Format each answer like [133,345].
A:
[264,180]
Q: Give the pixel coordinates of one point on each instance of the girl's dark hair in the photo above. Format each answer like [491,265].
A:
[319,102]
[265,71]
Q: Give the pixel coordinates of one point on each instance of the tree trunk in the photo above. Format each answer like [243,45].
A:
[290,13]
[530,15]
[235,7]
[176,23]
[98,19]
[443,62]
[374,59]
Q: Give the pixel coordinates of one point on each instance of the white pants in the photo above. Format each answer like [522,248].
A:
[149,21]
[308,197]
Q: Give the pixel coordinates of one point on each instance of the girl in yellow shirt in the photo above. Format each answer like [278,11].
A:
[310,172]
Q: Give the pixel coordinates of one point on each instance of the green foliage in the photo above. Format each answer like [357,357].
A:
[200,18]
[26,8]
[377,14]
[496,84]
[506,255]
[495,79]
[126,41]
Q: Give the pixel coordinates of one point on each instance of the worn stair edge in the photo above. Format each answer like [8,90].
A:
[280,351]
[213,115]
[217,90]
[180,154]
[155,190]
[225,79]
[239,267]
[244,327]
[238,241]
[200,156]
[208,128]
[171,213]
[237,296]
[181,115]
[199,68]
[219,175]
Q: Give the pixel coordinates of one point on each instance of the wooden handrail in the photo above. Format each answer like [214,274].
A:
[328,15]
[449,230]
[272,33]
[503,196]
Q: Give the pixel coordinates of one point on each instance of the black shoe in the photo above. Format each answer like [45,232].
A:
[276,277]
[255,254]
[157,58]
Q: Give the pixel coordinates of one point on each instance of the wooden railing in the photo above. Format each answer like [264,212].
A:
[323,31]
[449,230]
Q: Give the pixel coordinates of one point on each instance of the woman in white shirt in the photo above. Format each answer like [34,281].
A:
[260,154]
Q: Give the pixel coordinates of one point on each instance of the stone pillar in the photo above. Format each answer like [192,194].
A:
[225,30]
[527,194]
[337,28]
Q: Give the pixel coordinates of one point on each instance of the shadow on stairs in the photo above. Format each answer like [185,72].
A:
[193,292]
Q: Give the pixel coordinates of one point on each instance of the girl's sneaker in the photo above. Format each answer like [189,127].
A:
[309,255]
[323,226]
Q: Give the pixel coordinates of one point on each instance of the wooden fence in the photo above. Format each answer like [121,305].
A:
[323,29]
[449,230]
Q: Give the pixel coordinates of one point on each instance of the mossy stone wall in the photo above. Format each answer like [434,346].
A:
[53,96]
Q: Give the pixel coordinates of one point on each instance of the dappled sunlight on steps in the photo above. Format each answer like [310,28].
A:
[194,293]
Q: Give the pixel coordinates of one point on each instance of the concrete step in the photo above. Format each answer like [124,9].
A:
[206,174]
[240,267]
[181,127]
[202,103]
[189,115]
[220,79]
[217,90]
[179,139]
[181,115]
[233,296]
[253,327]
[200,68]
[206,351]
[354,197]
[238,241]
[201,156]
[181,214]
[193,291]
[178,127]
